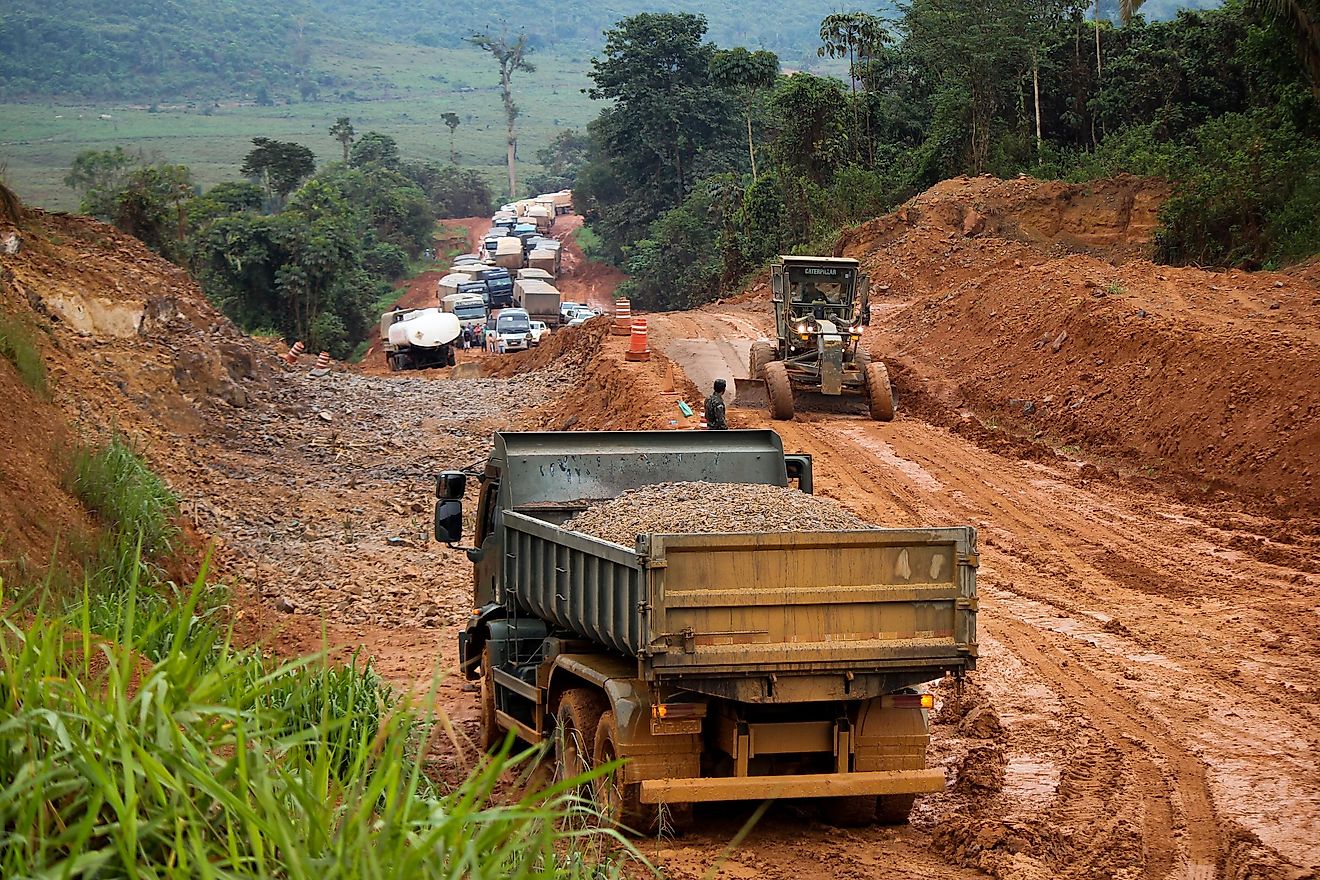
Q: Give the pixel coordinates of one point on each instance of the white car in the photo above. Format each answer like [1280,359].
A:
[514,330]
[579,321]
[567,310]
[539,332]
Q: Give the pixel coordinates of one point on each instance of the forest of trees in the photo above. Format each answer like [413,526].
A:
[1221,102]
[308,254]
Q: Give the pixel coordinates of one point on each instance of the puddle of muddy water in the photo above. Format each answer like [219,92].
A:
[910,469]
[1030,781]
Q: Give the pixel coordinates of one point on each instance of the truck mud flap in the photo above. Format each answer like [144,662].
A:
[756,788]
[750,394]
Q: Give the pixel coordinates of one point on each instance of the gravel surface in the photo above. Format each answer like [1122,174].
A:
[680,508]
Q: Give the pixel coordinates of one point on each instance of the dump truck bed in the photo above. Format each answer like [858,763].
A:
[704,609]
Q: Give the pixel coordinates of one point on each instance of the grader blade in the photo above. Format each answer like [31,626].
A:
[750,394]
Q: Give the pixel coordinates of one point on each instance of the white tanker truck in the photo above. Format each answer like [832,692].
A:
[415,338]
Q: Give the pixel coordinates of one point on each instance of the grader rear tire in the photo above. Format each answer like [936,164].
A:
[780,390]
[761,354]
[879,394]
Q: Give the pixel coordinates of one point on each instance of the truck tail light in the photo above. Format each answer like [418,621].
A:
[678,710]
[908,701]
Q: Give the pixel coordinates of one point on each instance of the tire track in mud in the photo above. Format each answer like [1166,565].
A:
[1184,779]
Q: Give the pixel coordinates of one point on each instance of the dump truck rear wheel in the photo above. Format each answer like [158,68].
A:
[879,393]
[578,716]
[450,357]
[761,354]
[488,734]
[780,390]
[853,811]
[894,809]
[619,802]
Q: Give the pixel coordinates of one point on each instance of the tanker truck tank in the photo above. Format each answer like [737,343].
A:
[417,338]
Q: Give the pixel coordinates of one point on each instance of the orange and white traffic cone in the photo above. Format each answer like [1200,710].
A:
[295,351]
[322,364]
[622,325]
[637,350]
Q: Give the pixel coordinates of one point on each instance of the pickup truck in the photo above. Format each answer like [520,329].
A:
[719,667]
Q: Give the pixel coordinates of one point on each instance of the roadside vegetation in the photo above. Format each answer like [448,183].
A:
[20,349]
[294,249]
[1221,102]
[138,739]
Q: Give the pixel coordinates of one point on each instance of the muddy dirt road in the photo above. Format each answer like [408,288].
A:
[1153,663]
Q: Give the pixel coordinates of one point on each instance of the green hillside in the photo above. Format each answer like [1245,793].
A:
[168,50]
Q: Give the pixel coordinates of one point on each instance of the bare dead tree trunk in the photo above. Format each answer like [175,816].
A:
[751,148]
[1035,89]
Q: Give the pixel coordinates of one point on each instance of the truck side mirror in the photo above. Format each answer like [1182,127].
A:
[450,485]
[449,521]
[798,467]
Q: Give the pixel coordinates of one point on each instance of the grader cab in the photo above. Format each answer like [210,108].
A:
[821,307]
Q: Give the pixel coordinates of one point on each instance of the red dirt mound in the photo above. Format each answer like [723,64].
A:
[1029,300]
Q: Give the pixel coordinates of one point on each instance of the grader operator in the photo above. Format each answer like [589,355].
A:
[821,306]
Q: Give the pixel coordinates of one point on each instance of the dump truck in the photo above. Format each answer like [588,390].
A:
[719,667]
[416,338]
[539,298]
[821,306]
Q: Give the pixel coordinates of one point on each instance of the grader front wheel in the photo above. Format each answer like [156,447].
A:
[780,390]
[879,394]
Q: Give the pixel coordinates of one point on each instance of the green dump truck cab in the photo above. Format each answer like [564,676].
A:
[719,666]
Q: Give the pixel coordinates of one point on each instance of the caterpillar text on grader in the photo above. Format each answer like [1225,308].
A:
[821,306]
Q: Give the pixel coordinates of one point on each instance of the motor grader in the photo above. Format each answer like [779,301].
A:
[821,306]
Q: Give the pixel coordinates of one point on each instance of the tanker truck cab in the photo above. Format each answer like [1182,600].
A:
[718,667]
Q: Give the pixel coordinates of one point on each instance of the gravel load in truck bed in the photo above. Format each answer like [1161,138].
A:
[694,507]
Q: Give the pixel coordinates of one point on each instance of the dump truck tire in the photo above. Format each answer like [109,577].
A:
[488,731]
[450,357]
[393,361]
[894,809]
[879,393]
[619,802]
[854,811]
[578,715]
[780,390]
[761,354]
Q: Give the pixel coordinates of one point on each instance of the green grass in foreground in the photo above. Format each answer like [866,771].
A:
[137,741]
[400,90]
[17,346]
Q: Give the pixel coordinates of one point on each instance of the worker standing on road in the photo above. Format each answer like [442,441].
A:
[715,420]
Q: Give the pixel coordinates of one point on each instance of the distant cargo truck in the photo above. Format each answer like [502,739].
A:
[539,298]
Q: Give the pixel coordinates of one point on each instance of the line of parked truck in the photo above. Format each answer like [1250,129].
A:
[503,296]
